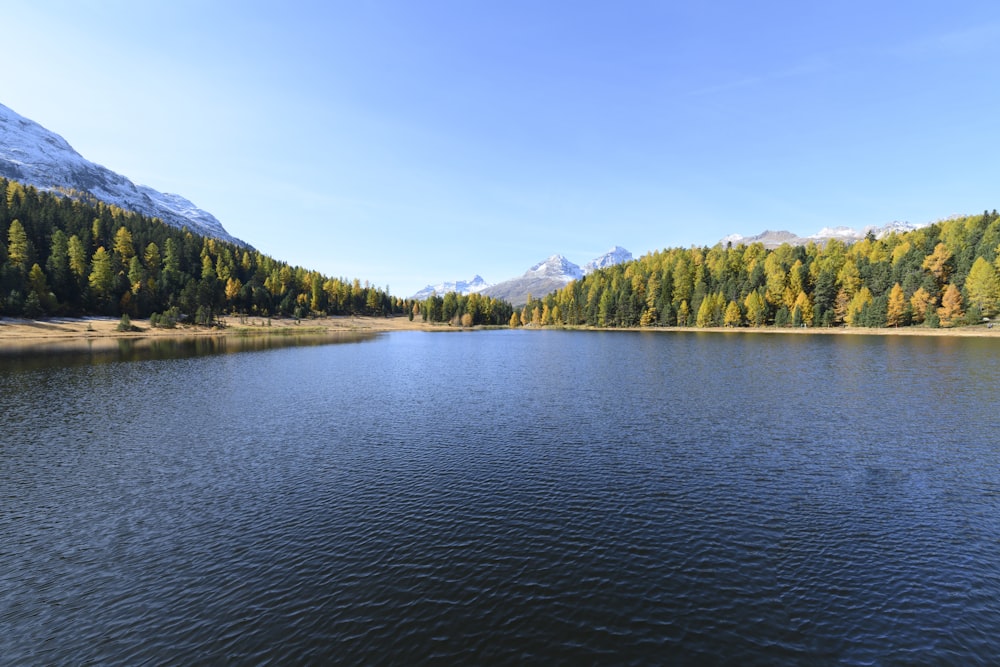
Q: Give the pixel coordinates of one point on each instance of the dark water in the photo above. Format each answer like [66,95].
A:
[507,497]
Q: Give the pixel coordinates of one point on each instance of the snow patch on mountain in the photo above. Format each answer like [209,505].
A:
[464,287]
[33,155]
[550,275]
[556,267]
[616,255]
[773,239]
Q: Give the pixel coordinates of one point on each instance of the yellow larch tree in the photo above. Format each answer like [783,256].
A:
[896,307]
[919,303]
[951,306]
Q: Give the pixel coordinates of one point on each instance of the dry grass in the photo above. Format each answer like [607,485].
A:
[16,333]
[22,333]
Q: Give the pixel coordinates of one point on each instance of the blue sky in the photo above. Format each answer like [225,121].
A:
[412,142]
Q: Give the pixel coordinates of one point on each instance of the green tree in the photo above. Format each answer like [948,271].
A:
[77,254]
[123,248]
[38,286]
[102,278]
[57,265]
[18,247]
[136,275]
[151,259]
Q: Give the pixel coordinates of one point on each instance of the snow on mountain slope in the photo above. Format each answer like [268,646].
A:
[772,239]
[616,255]
[464,287]
[556,267]
[33,155]
[550,275]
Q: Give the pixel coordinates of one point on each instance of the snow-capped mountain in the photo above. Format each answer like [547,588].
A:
[773,239]
[556,267]
[616,255]
[464,287]
[550,275]
[33,155]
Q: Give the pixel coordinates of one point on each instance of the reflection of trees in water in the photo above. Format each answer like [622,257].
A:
[108,350]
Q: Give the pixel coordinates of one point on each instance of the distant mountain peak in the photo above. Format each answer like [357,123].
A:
[558,267]
[551,274]
[617,255]
[33,155]
[772,239]
[464,287]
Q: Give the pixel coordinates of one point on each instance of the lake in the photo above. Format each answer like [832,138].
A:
[505,497]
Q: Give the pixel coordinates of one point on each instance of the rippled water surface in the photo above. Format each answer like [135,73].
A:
[507,497]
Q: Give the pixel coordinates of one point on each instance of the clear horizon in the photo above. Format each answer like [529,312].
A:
[416,143]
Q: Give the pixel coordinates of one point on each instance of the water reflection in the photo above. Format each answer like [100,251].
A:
[107,350]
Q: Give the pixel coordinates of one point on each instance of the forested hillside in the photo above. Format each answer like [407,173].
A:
[943,275]
[62,256]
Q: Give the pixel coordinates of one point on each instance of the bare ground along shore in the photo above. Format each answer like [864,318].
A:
[67,333]
[24,333]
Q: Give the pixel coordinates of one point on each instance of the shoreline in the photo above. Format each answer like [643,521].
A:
[974,331]
[26,334]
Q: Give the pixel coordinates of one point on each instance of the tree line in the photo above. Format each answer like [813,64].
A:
[463,309]
[70,256]
[942,275]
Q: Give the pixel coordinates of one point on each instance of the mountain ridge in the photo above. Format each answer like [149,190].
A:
[551,274]
[771,239]
[36,156]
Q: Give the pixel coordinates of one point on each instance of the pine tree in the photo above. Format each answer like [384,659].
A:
[57,264]
[102,279]
[123,247]
[38,286]
[77,254]
[18,247]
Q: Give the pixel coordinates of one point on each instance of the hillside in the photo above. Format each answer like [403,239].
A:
[941,275]
[64,257]
[33,155]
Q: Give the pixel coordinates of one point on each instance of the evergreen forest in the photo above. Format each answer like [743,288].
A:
[942,275]
[72,256]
